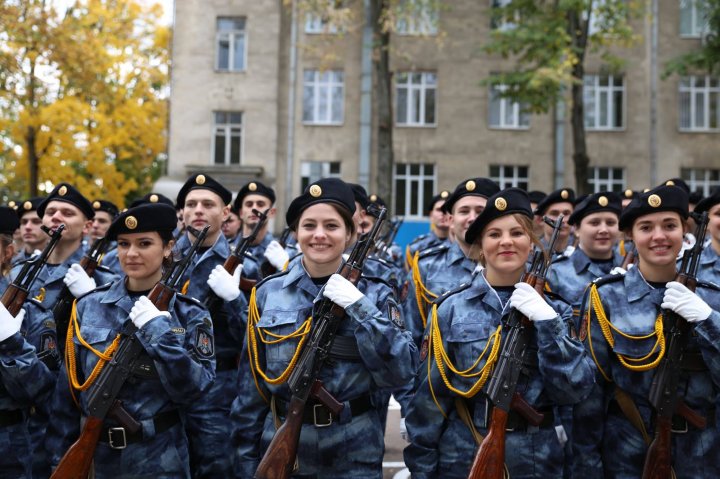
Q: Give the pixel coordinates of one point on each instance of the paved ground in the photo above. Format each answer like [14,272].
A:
[393,465]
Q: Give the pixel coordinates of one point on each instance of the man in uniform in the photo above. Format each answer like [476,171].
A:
[33,237]
[559,202]
[105,212]
[439,228]
[231,227]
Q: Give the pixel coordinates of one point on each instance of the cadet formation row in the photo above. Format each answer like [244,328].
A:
[207,385]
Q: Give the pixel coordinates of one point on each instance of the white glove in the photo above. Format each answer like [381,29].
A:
[77,281]
[341,291]
[685,303]
[526,300]
[9,324]
[143,311]
[225,285]
[403,430]
[618,270]
[276,255]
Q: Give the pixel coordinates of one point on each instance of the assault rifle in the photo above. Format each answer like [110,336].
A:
[489,462]
[17,292]
[266,269]
[76,462]
[278,461]
[630,257]
[63,307]
[390,237]
[663,395]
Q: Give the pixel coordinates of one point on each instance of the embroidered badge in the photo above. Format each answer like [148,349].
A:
[178,330]
[404,291]
[47,342]
[394,315]
[204,343]
[424,348]
[654,201]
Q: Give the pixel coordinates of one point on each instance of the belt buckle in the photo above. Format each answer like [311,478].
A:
[123,437]
[321,407]
[682,430]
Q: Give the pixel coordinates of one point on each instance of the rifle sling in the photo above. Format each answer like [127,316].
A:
[631,412]
[464,414]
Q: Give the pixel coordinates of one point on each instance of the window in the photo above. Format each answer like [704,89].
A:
[693,18]
[415,94]
[417,17]
[500,18]
[323,97]
[699,103]
[311,171]
[604,97]
[703,179]
[227,141]
[602,178]
[505,113]
[414,185]
[323,23]
[507,176]
[230,44]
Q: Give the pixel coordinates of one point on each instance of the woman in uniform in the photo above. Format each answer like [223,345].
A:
[710,260]
[175,368]
[372,350]
[449,411]
[626,338]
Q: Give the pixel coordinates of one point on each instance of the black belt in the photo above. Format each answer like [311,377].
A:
[117,437]
[680,425]
[228,363]
[319,415]
[515,421]
[9,418]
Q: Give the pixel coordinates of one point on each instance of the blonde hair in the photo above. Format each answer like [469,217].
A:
[476,253]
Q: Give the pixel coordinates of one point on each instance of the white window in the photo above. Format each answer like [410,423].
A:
[311,171]
[323,95]
[416,17]
[604,97]
[505,113]
[316,22]
[415,184]
[227,140]
[699,103]
[500,18]
[703,179]
[603,178]
[230,44]
[693,18]
[415,93]
[510,175]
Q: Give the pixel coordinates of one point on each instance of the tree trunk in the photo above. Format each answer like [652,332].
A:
[381,64]
[31,139]
[578,30]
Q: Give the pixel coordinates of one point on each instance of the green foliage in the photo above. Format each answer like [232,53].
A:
[706,59]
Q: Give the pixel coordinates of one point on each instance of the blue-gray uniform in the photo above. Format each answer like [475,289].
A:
[49,281]
[440,269]
[556,371]
[709,266]
[372,351]
[605,443]
[423,242]
[21,256]
[176,369]
[26,382]
[258,250]
[110,260]
[206,420]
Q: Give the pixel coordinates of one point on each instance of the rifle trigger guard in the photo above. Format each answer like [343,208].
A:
[122,443]
[324,411]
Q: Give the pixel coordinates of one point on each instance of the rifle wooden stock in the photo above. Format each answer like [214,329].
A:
[77,461]
[489,462]
[658,459]
[279,459]
[230,265]
[13,299]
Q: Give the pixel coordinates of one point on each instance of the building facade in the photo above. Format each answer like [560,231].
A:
[263,91]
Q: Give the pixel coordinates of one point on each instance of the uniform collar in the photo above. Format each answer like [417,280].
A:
[581,262]
[636,286]
[455,255]
[220,247]
[298,275]
[480,288]
[709,257]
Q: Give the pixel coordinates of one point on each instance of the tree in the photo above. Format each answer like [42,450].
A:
[81,97]
[707,57]
[550,42]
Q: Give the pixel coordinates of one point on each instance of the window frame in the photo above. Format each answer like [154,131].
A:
[706,184]
[696,30]
[504,103]
[317,84]
[426,26]
[413,181]
[422,88]
[227,130]
[597,183]
[325,166]
[514,180]
[707,91]
[231,43]
[610,90]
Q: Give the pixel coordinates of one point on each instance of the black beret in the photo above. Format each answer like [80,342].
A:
[679,182]
[360,195]
[28,205]
[442,196]
[557,196]
[661,198]
[253,188]
[506,202]
[12,204]
[595,203]
[706,203]
[473,187]
[106,206]
[203,182]
[69,194]
[9,221]
[695,197]
[376,200]
[142,218]
[327,190]
[536,196]
[629,194]
[153,198]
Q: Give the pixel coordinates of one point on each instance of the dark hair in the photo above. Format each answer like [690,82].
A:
[6,240]
[346,216]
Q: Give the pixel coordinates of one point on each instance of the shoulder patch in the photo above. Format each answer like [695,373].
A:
[48,341]
[393,312]
[204,344]
[435,250]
